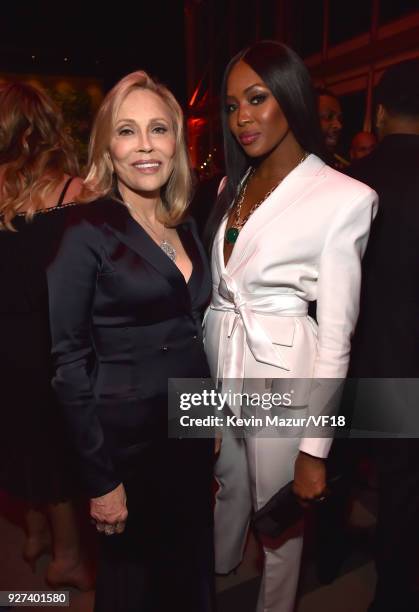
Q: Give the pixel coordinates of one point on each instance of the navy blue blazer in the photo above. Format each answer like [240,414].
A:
[122,322]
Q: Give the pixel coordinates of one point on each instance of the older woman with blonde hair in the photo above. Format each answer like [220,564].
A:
[38,182]
[126,287]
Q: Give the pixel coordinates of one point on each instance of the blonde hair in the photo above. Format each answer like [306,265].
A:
[99,180]
[35,150]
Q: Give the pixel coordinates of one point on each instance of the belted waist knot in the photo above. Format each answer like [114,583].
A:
[245,328]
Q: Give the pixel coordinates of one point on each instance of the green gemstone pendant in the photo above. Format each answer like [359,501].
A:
[231,235]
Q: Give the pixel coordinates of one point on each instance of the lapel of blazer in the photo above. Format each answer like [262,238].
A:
[295,185]
[130,233]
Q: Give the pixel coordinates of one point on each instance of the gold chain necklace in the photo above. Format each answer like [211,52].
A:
[165,246]
[232,233]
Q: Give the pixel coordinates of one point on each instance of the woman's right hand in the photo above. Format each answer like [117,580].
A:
[109,511]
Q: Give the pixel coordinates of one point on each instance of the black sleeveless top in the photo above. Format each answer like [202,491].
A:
[35,458]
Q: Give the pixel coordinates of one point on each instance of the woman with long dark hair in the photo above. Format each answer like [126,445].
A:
[287,230]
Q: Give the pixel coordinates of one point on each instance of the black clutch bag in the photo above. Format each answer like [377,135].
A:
[283,510]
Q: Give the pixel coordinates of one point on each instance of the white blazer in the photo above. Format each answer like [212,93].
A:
[304,243]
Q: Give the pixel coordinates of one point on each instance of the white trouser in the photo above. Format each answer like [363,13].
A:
[253,470]
[233,505]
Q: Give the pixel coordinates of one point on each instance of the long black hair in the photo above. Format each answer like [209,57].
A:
[286,76]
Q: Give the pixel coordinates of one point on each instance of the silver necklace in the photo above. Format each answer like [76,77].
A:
[165,246]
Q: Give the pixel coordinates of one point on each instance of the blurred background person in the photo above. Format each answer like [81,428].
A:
[38,181]
[363,143]
[331,123]
[386,340]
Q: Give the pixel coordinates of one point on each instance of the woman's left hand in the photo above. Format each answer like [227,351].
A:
[309,478]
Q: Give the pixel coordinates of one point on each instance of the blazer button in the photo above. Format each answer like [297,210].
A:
[165,348]
[195,337]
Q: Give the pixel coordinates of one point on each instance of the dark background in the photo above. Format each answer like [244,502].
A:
[106,40]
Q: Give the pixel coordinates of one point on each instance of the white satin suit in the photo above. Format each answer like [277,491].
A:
[304,243]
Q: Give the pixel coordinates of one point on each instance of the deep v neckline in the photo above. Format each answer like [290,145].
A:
[160,251]
[290,189]
[224,224]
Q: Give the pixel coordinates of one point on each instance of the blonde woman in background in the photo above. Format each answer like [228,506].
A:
[38,182]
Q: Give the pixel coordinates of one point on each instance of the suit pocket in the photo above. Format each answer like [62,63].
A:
[280,330]
[117,382]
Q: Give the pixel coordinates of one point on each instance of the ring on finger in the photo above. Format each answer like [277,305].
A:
[120,527]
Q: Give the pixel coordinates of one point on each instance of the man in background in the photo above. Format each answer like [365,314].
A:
[331,122]
[386,341]
[363,143]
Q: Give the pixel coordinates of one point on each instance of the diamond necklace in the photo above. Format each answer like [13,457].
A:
[165,246]
[232,233]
